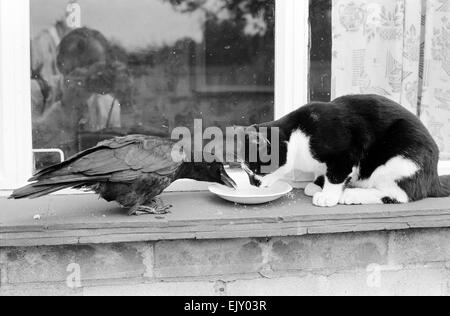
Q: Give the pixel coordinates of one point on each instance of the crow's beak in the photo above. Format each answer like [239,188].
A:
[226,179]
[254,181]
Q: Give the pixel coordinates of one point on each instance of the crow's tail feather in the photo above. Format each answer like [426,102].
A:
[59,177]
[52,185]
[34,191]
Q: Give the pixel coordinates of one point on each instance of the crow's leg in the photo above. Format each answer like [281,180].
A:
[155,207]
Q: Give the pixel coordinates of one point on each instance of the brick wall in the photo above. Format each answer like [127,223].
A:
[415,262]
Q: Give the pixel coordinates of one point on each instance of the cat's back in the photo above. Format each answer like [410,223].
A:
[388,125]
[368,116]
[375,109]
[352,108]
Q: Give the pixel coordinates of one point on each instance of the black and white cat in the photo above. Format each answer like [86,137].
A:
[363,149]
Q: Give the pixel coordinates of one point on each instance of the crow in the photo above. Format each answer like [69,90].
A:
[131,170]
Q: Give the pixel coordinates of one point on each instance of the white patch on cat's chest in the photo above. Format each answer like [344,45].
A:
[299,156]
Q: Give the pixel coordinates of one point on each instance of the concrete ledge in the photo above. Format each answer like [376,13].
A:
[409,262]
[85,246]
[84,219]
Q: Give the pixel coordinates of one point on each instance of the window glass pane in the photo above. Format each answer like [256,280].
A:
[321,50]
[102,68]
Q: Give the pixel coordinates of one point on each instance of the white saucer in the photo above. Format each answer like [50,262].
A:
[250,195]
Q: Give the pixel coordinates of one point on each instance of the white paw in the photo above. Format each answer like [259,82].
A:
[323,199]
[311,189]
[351,197]
[268,181]
[361,197]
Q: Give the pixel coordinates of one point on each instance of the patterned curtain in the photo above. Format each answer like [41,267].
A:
[435,107]
[399,49]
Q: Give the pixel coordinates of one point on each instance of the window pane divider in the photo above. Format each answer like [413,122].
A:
[291,55]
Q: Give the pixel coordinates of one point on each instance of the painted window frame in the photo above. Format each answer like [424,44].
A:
[15,95]
[16,152]
[291,88]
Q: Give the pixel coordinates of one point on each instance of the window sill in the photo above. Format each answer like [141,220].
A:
[83,219]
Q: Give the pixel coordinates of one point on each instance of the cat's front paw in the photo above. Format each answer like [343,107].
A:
[311,189]
[325,199]
[351,197]
[361,197]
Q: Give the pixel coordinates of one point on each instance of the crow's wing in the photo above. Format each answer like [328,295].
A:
[122,159]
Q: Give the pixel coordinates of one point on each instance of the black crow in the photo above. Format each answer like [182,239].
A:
[131,170]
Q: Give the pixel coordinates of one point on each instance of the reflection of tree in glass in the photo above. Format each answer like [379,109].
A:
[235,52]
[238,35]
[260,13]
